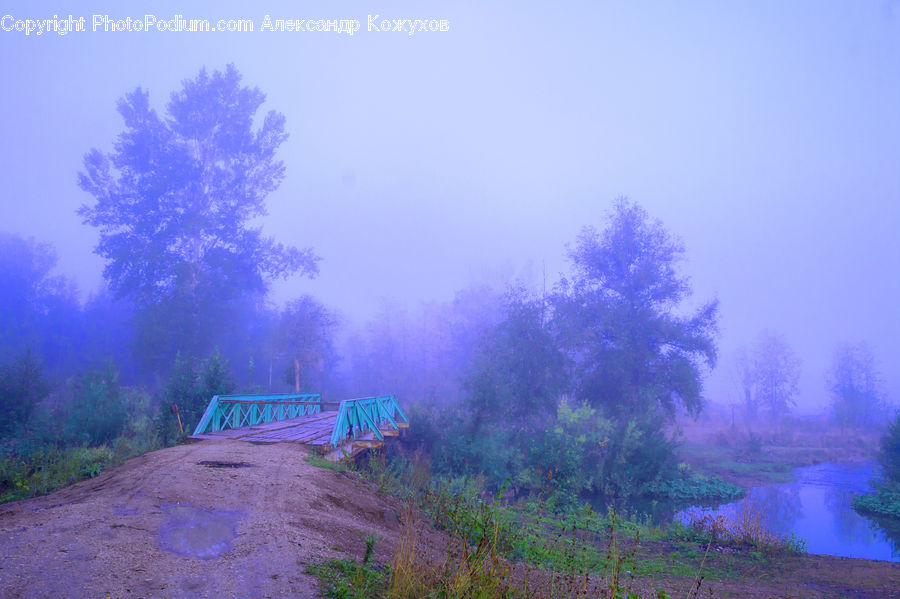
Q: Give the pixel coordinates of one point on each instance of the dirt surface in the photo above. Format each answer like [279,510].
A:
[163,525]
[232,519]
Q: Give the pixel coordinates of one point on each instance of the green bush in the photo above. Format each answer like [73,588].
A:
[689,486]
[885,501]
[580,453]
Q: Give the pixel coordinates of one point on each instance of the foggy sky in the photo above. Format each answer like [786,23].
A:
[766,135]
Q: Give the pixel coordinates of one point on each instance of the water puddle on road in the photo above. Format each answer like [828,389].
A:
[198,532]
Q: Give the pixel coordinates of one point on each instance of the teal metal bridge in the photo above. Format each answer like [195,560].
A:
[343,428]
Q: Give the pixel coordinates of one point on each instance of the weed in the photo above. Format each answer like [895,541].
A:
[745,526]
[48,468]
[319,461]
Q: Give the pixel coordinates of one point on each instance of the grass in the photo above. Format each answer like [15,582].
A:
[349,579]
[319,461]
[524,550]
[46,468]
[731,463]
[476,564]
[771,452]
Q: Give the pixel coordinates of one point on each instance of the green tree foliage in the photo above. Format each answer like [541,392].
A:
[889,456]
[191,385]
[616,340]
[511,388]
[855,385]
[22,386]
[518,371]
[584,452]
[96,412]
[306,334]
[621,319]
[770,376]
[568,458]
[884,501]
[424,355]
[175,203]
[38,309]
[109,334]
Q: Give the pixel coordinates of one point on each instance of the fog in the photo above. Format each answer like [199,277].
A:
[763,135]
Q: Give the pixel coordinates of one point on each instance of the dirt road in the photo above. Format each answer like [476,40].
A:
[166,525]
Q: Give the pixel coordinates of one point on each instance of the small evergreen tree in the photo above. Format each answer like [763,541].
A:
[96,413]
[190,387]
[22,386]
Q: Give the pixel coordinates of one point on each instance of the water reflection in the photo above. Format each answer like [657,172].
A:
[781,506]
[849,524]
[817,508]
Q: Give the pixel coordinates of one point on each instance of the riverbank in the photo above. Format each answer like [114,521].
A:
[601,552]
[756,454]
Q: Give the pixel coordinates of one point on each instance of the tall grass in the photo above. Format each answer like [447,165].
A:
[473,566]
[491,551]
[745,525]
[497,551]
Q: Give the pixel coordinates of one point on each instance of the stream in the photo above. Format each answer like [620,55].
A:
[816,507]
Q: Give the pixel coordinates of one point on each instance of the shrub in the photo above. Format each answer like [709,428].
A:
[638,455]
[885,501]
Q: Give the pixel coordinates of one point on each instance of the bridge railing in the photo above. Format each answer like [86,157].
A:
[358,417]
[235,411]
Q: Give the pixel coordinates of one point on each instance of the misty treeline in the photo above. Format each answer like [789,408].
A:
[768,376]
[569,390]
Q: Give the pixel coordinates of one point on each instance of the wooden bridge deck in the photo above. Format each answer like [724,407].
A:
[314,430]
[309,430]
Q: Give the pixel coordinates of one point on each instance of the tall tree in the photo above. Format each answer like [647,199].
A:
[517,372]
[174,204]
[38,309]
[635,349]
[306,334]
[855,385]
[770,376]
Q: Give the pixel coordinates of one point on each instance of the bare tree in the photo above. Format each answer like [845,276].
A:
[769,373]
[855,385]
